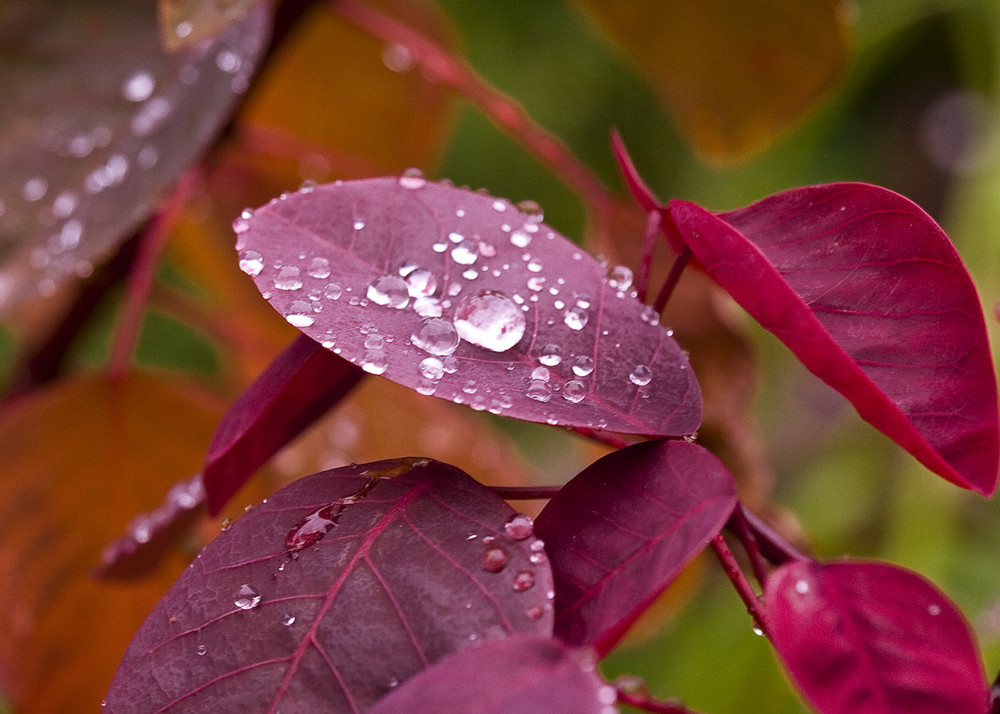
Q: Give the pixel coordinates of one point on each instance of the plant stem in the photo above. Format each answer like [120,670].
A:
[441,65]
[525,493]
[646,702]
[739,527]
[771,544]
[646,259]
[739,581]
[671,282]
[611,439]
[140,279]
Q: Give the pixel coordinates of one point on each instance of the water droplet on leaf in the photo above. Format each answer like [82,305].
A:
[412,179]
[374,361]
[523,581]
[551,355]
[620,277]
[300,314]
[574,391]
[420,283]
[288,278]
[389,290]
[494,559]
[432,368]
[519,527]
[641,375]
[436,336]
[247,597]
[319,268]
[575,318]
[200,650]
[288,620]
[465,253]
[582,366]
[490,320]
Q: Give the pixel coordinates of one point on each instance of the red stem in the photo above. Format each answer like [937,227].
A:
[525,493]
[611,439]
[644,701]
[771,544]
[739,581]
[646,259]
[441,65]
[739,527]
[671,282]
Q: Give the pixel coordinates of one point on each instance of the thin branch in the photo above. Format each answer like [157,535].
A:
[739,581]
[772,544]
[671,282]
[739,527]
[642,700]
[646,259]
[611,439]
[441,65]
[525,493]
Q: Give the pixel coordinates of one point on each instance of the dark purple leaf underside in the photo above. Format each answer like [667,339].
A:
[871,296]
[515,675]
[620,531]
[97,121]
[297,388]
[335,590]
[466,297]
[872,638]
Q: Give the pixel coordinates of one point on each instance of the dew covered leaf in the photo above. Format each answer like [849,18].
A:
[621,530]
[338,588]
[466,297]
[872,638]
[96,124]
[81,459]
[520,673]
[869,293]
[301,384]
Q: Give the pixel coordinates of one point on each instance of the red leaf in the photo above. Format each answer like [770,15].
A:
[521,673]
[529,325]
[300,385]
[620,531]
[335,589]
[872,638]
[871,296]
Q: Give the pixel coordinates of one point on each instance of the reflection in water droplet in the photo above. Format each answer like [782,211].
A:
[641,375]
[574,391]
[620,277]
[374,361]
[288,278]
[539,391]
[332,291]
[519,527]
[389,290]
[431,368]
[247,597]
[412,179]
[436,336]
[494,559]
[287,620]
[551,355]
[490,320]
[420,283]
[575,318]
[427,307]
[319,268]
[300,314]
[523,581]
[138,87]
[201,650]
[465,253]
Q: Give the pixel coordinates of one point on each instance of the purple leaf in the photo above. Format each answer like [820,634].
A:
[620,531]
[334,590]
[300,385]
[872,638]
[871,296]
[97,121]
[465,296]
[515,675]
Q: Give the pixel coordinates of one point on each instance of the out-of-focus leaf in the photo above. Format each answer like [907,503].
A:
[869,293]
[301,384]
[185,23]
[80,460]
[873,638]
[620,531]
[97,122]
[521,673]
[338,588]
[734,74]
[466,297]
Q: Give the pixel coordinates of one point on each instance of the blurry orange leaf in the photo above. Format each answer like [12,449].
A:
[81,458]
[185,23]
[734,74]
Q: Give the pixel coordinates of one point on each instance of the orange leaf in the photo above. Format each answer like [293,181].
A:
[81,458]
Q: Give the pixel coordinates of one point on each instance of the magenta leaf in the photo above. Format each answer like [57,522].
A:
[620,531]
[336,589]
[873,638]
[871,296]
[466,297]
[96,123]
[515,675]
[297,388]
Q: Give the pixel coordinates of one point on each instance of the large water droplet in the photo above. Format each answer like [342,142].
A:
[494,559]
[251,262]
[620,277]
[319,268]
[538,390]
[374,361]
[288,278]
[389,290]
[574,391]
[641,375]
[550,355]
[575,318]
[332,291]
[412,179]
[582,365]
[247,597]
[490,320]
[436,336]
[432,368]
[519,527]
[300,314]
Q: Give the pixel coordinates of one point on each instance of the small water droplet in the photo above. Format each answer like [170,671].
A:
[494,559]
[551,355]
[34,188]
[288,278]
[520,238]
[251,262]
[319,268]
[374,341]
[431,368]
[802,587]
[641,375]
[374,361]
[758,631]
[226,524]
[649,315]
[538,390]
[540,374]
[200,650]
[307,186]
[358,224]
[499,206]
[523,581]
[300,314]
[534,613]
[582,365]
[933,610]
[287,620]
[620,277]
[575,318]
[490,320]
[470,387]
[465,253]
[412,179]
[535,266]
[332,291]
[519,527]
[247,597]
[436,336]
[138,87]
[532,210]
[389,290]
[574,391]
[536,283]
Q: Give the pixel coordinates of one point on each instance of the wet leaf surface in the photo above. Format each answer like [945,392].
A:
[338,588]
[300,386]
[81,459]
[872,638]
[521,673]
[734,75]
[620,531]
[871,296]
[97,122]
[466,297]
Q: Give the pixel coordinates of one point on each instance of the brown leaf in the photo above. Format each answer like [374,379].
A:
[81,458]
